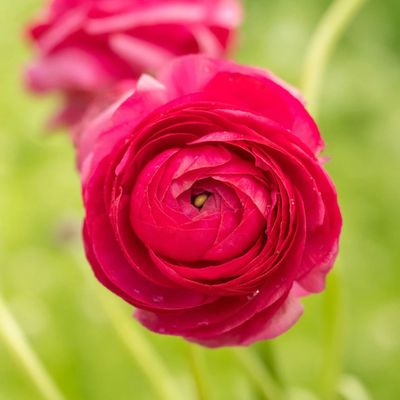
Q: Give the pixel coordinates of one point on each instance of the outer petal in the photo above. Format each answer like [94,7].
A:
[99,136]
[229,83]
[268,324]
[67,69]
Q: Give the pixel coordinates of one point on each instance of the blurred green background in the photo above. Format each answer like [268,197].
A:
[42,269]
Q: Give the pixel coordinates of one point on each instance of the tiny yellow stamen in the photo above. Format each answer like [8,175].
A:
[199,200]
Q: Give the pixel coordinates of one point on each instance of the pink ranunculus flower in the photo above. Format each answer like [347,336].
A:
[86,46]
[207,207]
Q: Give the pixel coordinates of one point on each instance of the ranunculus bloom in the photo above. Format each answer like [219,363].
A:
[85,46]
[207,207]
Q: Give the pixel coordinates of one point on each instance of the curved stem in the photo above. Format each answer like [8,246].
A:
[16,341]
[257,372]
[140,349]
[196,365]
[333,338]
[266,353]
[328,32]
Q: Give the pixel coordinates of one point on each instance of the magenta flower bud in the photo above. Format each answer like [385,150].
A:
[87,46]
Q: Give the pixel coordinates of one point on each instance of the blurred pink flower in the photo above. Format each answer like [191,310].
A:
[85,46]
[207,207]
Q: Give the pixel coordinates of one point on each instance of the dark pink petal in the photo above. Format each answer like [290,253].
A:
[206,204]
[228,83]
[115,123]
[268,324]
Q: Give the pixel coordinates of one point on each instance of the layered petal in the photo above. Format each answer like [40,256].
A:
[207,206]
[85,46]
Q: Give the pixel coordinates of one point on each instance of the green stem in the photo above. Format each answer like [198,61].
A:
[19,346]
[140,349]
[331,370]
[257,372]
[196,364]
[328,32]
[265,350]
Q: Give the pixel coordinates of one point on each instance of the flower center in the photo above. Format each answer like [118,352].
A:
[199,200]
